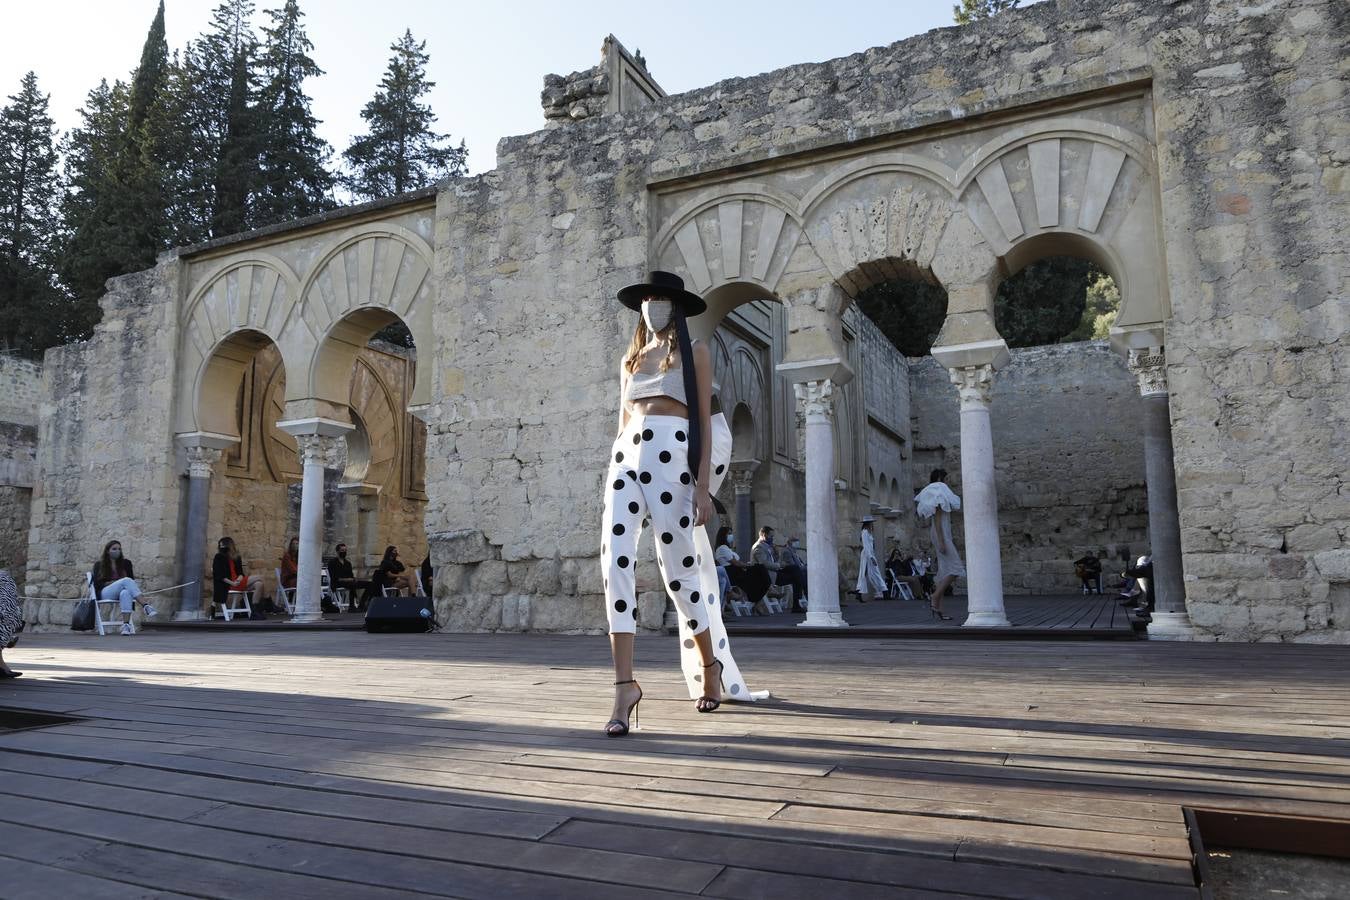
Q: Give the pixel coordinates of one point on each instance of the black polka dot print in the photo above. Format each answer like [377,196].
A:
[684,521]
[647,434]
[645,478]
[618,457]
[720,469]
[679,436]
[667,537]
[623,563]
[665,456]
[637,439]
[684,478]
[693,597]
[689,644]
[693,624]
[632,476]
[674,585]
[618,484]
[620,605]
[688,561]
[666,497]
[618,528]
[633,507]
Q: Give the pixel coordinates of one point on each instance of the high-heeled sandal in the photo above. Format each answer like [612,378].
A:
[632,714]
[709,704]
[938,614]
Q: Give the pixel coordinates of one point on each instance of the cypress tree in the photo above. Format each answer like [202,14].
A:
[400,152]
[29,197]
[293,179]
[228,87]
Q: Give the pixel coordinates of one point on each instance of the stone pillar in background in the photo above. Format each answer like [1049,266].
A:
[203,452]
[979,500]
[1170,619]
[742,480]
[816,399]
[321,447]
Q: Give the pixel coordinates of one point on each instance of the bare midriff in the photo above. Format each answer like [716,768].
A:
[658,406]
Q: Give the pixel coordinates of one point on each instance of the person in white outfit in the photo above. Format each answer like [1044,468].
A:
[938,502]
[869,570]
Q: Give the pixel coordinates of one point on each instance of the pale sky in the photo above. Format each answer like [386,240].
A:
[488,59]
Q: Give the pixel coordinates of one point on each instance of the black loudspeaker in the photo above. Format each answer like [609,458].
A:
[398,614]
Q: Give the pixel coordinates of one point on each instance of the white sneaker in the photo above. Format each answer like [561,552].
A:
[127,629]
[148,611]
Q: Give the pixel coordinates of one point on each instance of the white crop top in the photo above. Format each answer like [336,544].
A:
[642,385]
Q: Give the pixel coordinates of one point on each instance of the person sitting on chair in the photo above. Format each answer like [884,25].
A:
[341,575]
[227,574]
[752,579]
[391,573]
[793,572]
[900,567]
[114,579]
[290,564]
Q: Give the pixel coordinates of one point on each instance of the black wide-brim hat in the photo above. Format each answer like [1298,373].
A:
[662,284]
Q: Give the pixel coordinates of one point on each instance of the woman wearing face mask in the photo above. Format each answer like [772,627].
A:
[115,579]
[664,465]
[227,574]
[752,579]
[290,564]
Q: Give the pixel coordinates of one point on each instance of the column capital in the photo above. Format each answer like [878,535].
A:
[816,399]
[975,384]
[321,449]
[202,460]
[743,475]
[1149,366]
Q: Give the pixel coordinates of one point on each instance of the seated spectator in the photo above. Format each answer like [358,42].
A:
[391,573]
[425,571]
[752,579]
[290,564]
[1142,573]
[1089,572]
[227,574]
[902,568]
[115,579]
[341,575]
[793,571]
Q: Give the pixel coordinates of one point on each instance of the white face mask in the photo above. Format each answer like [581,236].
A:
[731,539]
[657,314]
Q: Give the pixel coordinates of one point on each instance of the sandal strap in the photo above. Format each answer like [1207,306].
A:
[629,681]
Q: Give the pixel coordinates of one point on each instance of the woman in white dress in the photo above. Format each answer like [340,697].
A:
[938,502]
[869,570]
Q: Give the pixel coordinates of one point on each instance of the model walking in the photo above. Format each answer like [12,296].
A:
[869,570]
[670,455]
[938,502]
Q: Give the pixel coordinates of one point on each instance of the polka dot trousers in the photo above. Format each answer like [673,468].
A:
[649,480]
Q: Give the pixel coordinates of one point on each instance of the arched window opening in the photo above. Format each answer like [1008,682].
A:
[909,311]
[1056,300]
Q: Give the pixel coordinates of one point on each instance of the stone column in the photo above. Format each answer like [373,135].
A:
[979,502]
[203,452]
[742,481]
[822,570]
[1170,619]
[321,445]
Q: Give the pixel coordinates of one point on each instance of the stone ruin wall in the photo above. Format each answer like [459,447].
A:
[20,388]
[1069,460]
[106,460]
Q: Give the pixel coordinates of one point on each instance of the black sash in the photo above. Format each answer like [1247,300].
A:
[691,396]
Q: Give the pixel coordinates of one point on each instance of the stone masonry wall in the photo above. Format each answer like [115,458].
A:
[20,386]
[1069,459]
[106,461]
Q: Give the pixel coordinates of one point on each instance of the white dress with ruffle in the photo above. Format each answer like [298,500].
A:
[928,501]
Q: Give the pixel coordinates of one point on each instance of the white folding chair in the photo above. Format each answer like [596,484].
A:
[336,596]
[286,594]
[417,579]
[236,604]
[114,608]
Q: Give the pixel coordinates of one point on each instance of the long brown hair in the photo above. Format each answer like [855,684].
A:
[106,569]
[640,338]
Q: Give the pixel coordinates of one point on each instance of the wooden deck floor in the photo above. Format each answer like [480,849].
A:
[335,765]
[1068,615]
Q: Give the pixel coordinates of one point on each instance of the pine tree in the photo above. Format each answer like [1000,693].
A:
[29,195]
[114,210]
[293,178]
[973,10]
[400,152]
[227,87]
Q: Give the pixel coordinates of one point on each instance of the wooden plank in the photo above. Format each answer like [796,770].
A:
[24,880]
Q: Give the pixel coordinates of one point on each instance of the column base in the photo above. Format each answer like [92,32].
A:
[986,620]
[1172,626]
[189,615]
[305,618]
[823,619]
